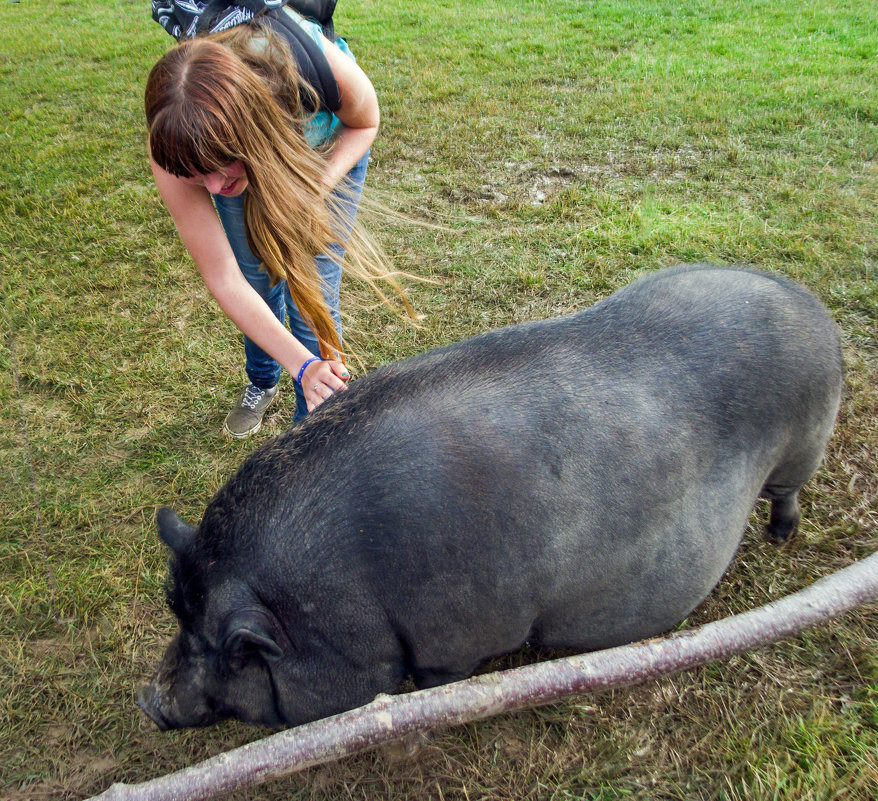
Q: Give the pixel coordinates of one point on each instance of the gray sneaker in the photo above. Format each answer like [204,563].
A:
[246,418]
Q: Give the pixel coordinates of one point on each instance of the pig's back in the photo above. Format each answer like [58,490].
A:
[581,481]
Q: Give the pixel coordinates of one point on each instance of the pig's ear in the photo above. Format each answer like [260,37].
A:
[173,531]
[247,631]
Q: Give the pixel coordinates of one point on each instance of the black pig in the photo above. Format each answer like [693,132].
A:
[581,481]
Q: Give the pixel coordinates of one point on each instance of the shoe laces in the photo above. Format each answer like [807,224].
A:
[252,396]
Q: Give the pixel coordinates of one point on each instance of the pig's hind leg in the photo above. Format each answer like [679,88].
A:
[798,462]
[784,483]
[785,513]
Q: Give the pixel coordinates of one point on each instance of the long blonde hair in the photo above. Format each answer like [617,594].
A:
[238,96]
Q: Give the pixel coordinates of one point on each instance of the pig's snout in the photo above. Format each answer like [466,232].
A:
[148,699]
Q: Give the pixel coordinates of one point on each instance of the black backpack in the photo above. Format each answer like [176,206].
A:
[185,19]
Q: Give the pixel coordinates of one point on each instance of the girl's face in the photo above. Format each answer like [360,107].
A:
[230,181]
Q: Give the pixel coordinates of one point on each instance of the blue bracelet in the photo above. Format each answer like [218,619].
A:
[302,368]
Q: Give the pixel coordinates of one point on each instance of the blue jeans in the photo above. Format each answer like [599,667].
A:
[262,369]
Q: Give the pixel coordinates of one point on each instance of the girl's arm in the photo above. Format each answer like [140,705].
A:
[202,233]
[359,115]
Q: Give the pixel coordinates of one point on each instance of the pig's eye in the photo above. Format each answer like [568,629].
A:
[239,660]
[237,653]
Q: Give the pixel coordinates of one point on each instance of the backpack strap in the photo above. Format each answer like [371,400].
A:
[310,59]
[320,11]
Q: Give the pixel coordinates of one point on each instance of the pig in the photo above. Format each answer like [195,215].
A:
[578,482]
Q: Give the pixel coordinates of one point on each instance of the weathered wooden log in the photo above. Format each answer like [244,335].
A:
[392,717]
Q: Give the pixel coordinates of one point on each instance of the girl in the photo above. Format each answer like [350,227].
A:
[264,195]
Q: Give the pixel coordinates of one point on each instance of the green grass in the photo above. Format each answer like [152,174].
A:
[564,148]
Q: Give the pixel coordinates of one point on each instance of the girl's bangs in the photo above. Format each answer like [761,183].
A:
[184,152]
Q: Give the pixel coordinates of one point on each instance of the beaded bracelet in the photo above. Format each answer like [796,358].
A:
[302,368]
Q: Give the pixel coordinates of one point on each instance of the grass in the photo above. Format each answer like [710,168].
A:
[564,148]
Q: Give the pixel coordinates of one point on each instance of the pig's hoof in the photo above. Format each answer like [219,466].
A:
[780,532]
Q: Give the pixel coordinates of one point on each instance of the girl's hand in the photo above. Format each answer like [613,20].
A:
[321,380]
